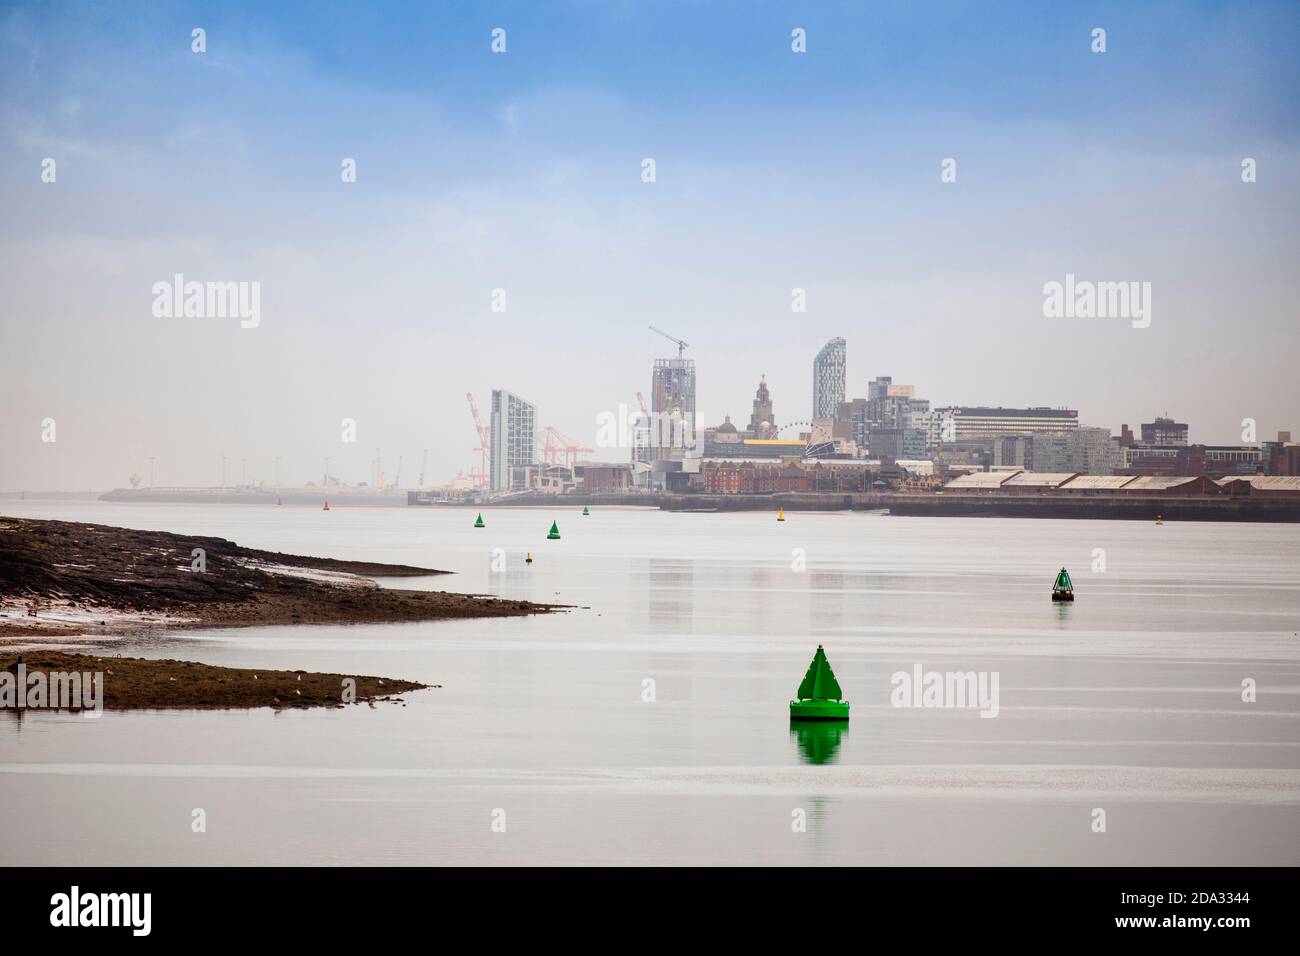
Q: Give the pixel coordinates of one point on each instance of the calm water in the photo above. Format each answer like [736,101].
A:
[1129,701]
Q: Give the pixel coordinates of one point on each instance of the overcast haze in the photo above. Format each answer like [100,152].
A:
[523,171]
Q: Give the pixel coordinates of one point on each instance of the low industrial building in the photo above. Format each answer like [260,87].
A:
[1095,484]
[1035,482]
[596,477]
[1062,483]
[1174,485]
[1281,486]
[981,482]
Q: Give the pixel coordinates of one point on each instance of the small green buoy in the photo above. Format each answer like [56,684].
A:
[478,522]
[554,534]
[585,511]
[820,697]
[1063,590]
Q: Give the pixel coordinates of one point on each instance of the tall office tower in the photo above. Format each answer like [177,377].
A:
[513,448]
[828,378]
[672,402]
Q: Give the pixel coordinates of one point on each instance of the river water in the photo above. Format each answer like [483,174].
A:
[650,725]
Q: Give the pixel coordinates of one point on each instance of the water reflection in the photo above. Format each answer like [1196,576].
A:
[827,594]
[669,586]
[1062,612]
[818,740]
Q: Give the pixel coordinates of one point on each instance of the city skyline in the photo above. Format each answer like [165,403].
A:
[371,462]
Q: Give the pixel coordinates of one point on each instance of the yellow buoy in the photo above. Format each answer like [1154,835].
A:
[529,559]
[1160,519]
[780,515]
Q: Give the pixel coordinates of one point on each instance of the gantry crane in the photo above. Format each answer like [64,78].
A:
[555,444]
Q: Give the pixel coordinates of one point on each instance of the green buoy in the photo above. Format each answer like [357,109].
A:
[478,522]
[1063,590]
[585,511]
[820,697]
[554,534]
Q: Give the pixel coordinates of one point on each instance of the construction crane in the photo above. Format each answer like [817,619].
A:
[484,440]
[424,466]
[397,479]
[681,346]
[555,444]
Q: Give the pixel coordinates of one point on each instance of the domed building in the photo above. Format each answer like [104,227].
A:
[726,433]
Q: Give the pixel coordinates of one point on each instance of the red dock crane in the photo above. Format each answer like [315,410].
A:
[556,443]
[484,443]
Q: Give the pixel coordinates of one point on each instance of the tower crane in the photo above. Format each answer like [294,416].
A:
[424,466]
[681,345]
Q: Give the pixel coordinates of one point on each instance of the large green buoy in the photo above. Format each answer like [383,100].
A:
[554,534]
[585,511]
[478,522]
[820,697]
[1063,590]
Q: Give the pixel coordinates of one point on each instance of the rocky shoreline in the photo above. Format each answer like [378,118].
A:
[71,578]
[65,583]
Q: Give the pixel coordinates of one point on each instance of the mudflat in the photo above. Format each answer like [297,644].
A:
[134,683]
[65,582]
[70,578]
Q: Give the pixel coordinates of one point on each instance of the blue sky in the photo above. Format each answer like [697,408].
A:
[521,171]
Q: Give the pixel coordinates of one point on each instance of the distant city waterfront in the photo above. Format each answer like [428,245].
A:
[891,441]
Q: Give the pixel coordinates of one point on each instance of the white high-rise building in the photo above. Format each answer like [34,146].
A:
[828,378]
[513,449]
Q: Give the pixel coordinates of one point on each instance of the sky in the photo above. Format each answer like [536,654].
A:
[523,171]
